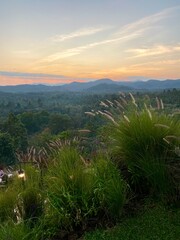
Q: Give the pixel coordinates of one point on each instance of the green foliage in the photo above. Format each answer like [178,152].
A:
[110,189]
[32,205]
[31,198]
[78,192]
[59,123]
[155,223]
[145,142]
[11,231]
[69,188]
[8,200]
[7,155]
[34,122]
[17,131]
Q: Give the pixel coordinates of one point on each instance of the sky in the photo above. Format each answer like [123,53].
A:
[61,41]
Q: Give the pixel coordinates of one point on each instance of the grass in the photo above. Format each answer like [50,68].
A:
[145,143]
[78,192]
[155,223]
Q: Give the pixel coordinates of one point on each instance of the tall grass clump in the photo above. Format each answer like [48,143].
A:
[31,197]
[146,142]
[78,192]
[7,204]
[110,190]
[69,189]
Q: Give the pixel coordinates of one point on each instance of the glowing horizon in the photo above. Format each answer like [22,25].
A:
[64,41]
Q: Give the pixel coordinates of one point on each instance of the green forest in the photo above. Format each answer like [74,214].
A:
[77,162]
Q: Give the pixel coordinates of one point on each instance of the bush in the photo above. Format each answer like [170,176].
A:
[145,142]
[110,189]
[78,192]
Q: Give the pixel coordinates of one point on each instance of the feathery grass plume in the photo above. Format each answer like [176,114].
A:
[100,112]
[173,137]
[126,118]
[161,125]
[145,106]
[124,101]
[90,113]
[166,140]
[122,94]
[161,104]
[111,103]
[133,99]
[110,118]
[84,131]
[103,104]
[149,113]
[118,104]
[158,103]
[109,113]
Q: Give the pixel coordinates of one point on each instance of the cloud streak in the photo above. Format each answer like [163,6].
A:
[127,32]
[145,23]
[29,75]
[79,33]
[15,78]
[75,51]
[152,51]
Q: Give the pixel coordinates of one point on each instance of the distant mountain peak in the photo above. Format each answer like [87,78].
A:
[105,80]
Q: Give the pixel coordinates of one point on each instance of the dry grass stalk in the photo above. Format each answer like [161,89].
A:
[103,104]
[162,125]
[126,118]
[90,113]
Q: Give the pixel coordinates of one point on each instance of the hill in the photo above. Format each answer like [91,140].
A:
[98,86]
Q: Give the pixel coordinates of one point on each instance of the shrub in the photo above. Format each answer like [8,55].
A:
[69,189]
[110,189]
[78,192]
[145,142]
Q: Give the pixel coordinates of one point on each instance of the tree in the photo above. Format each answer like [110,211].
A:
[59,123]
[7,154]
[17,131]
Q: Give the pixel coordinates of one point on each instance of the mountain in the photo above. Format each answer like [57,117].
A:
[98,86]
[78,86]
[155,84]
[108,88]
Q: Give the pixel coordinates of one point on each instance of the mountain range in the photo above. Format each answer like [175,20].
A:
[98,86]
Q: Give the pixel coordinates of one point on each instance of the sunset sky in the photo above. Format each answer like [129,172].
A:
[60,41]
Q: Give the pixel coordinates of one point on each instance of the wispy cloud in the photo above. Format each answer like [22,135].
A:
[78,33]
[145,23]
[14,78]
[127,32]
[30,75]
[75,51]
[154,50]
